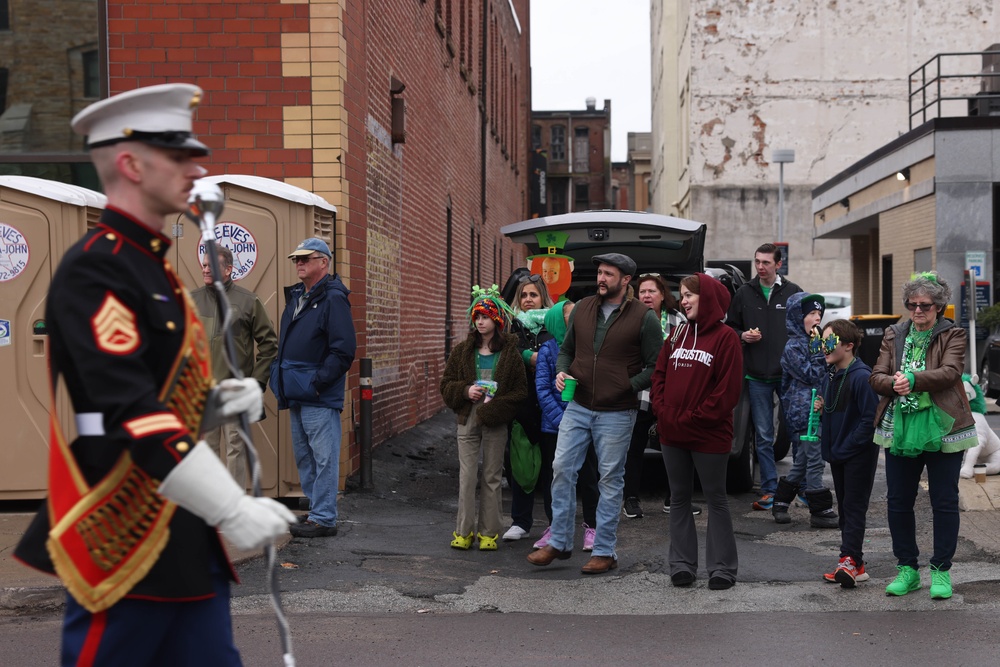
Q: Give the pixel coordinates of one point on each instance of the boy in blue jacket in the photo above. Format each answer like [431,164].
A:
[847,406]
[552,405]
[803,367]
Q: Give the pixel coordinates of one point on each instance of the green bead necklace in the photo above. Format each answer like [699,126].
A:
[827,408]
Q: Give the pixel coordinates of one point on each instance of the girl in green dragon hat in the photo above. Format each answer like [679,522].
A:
[483,382]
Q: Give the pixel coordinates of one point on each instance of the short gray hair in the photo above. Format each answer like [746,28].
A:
[226,255]
[931,284]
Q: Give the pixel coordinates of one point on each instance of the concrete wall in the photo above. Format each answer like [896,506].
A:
[827,79]
[739,219]
[968,164]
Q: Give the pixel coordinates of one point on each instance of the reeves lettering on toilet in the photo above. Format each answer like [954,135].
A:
[240,242]
[14,252]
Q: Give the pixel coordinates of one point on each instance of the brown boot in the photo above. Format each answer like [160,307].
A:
[599,565]
[547,554]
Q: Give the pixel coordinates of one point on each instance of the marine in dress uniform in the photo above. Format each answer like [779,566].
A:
[135,499]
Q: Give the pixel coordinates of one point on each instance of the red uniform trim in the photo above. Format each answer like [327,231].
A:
[88,654]
[166,241]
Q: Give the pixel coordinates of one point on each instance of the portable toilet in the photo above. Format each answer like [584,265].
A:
[263,220]
[39,221]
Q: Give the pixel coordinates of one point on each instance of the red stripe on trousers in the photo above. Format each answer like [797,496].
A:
[98,622]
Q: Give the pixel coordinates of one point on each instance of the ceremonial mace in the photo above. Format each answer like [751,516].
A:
[205,204]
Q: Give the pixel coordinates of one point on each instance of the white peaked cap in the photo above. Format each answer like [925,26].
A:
[156,115]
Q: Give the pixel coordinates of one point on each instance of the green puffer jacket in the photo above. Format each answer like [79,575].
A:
[508,372]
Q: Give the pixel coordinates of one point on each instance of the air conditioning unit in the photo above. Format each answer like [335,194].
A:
[985,106]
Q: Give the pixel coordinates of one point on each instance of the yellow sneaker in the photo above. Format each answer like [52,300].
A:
[487,543]
[461,541]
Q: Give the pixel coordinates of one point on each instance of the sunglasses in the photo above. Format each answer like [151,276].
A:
[649,275]
[303,260]
[533,278]
[923,307]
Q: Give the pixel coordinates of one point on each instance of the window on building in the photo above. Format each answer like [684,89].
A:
[461,32]
[923,260]
[581,196]
[536,137]
[557,196]
[91,74]
[581,149]
[3,89]
[70,47]
[557,142]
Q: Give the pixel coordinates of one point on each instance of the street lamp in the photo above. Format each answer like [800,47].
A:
[781,156]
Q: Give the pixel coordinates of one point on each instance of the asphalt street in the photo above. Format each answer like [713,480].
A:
[388,589]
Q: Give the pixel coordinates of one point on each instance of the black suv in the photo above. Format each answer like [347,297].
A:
[672,247]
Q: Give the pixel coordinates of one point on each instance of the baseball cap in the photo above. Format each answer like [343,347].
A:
[309,246]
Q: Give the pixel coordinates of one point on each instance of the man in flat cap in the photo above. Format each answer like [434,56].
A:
[135,501]
[316,348]
[610,348]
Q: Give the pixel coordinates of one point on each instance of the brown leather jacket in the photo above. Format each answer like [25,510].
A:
[943,377]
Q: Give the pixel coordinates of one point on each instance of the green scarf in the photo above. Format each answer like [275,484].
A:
[913,424]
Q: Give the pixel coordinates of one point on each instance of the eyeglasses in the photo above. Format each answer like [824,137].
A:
[303,260]
[923,307]
[532,278]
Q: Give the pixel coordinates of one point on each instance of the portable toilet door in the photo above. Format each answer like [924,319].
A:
[39,220]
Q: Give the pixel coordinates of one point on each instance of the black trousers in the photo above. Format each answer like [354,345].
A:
[853,480]
[636,449]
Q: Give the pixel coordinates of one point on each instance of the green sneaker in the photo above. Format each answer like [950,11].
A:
[940,584]
[907,581]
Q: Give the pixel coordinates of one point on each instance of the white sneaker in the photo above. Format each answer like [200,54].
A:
[513,533]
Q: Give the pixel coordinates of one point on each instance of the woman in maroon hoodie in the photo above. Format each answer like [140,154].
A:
[696,385]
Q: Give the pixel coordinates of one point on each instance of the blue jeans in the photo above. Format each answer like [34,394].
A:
[762,411]
[902,476]
[610,433]
[808,466]
[316,443]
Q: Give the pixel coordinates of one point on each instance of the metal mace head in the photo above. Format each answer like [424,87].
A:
[205,204]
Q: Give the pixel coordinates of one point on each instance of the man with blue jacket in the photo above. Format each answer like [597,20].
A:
[315,350]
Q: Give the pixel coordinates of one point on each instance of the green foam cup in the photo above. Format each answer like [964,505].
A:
[569,390]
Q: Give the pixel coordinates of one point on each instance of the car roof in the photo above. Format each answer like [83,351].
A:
[656,242]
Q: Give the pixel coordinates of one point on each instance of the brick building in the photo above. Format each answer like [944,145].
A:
[578,146]
[410,116]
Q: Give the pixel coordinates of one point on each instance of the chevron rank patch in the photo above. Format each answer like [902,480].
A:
[160,422]
[114,327]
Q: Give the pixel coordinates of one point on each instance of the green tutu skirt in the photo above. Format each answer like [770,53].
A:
[913,433]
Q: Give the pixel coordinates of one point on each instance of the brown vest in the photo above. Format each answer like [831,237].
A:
[604,376]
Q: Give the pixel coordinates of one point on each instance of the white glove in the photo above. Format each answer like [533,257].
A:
[202,485]
[239,396]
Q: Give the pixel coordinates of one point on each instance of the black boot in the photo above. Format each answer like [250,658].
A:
[821,509]
[783,498]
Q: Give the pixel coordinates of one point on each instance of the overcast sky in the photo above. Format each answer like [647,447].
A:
[593,48]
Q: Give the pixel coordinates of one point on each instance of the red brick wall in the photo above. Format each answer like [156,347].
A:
[409,187]
[396,197]
[232,50]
